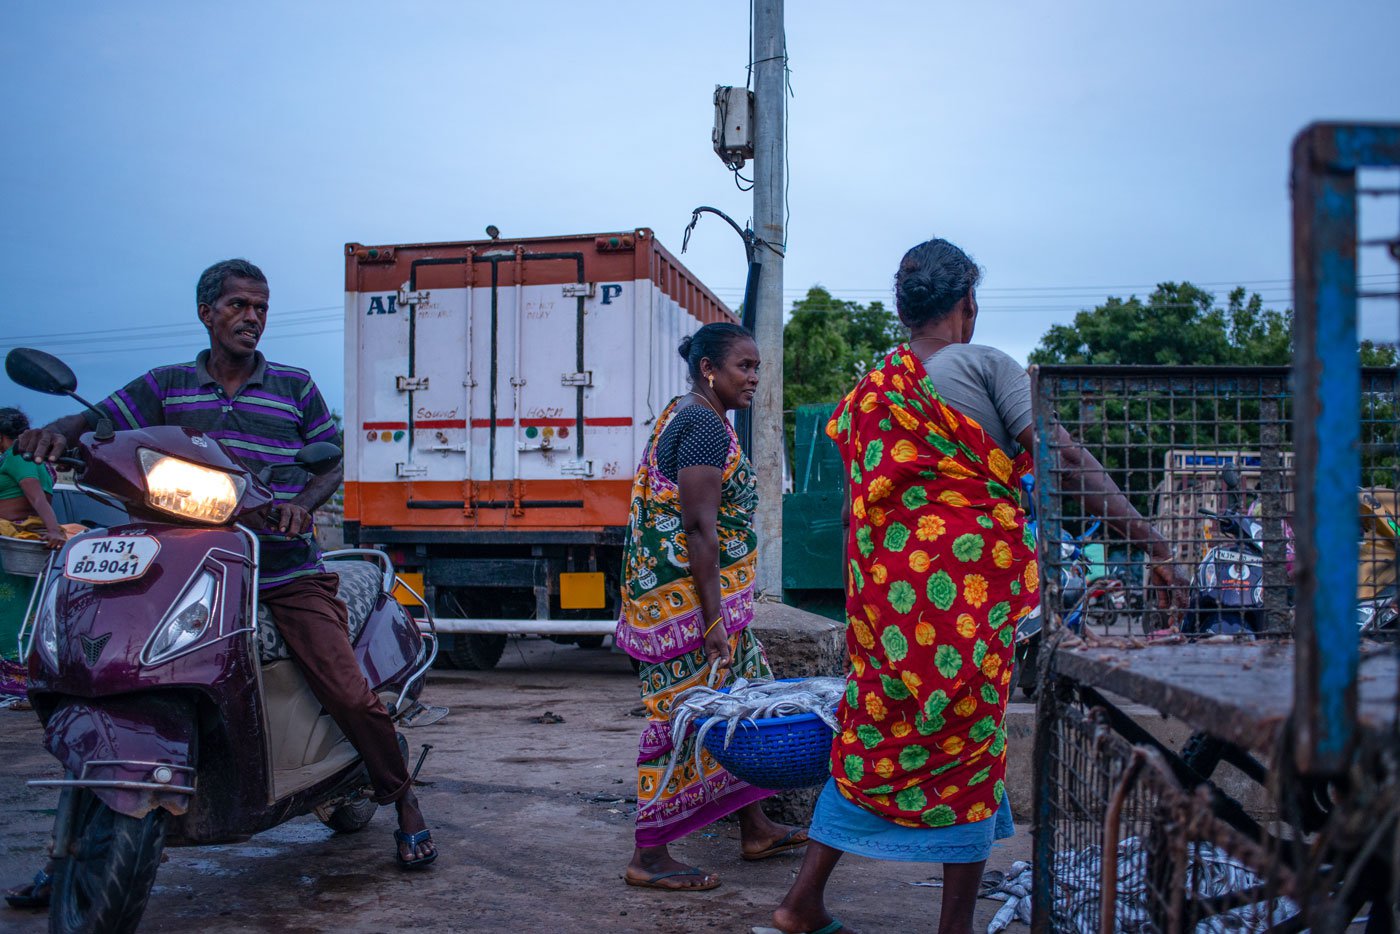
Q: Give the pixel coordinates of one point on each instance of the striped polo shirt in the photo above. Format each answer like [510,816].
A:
[275,414]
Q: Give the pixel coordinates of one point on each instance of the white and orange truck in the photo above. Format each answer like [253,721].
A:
[498,394]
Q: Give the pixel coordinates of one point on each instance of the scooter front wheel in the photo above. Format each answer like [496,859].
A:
[104,881]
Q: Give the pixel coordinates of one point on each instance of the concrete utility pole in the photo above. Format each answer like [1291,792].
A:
[769,57]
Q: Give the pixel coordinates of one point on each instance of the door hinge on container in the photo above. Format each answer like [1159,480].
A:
[411,383]
[577,469]
[579,289]
[409,470]
[577,379]
[414,298]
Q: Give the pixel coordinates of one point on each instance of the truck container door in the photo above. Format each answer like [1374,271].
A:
[527,415]
[432,391]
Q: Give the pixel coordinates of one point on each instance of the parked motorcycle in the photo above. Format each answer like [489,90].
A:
[1227,588]
[165,690]
[1377,611]
[1082,593]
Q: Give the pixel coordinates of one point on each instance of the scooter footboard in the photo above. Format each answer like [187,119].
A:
[135,754]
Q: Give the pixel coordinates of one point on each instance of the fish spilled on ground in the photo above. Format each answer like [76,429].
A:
[1211,874]
[1012,887]
[746,702]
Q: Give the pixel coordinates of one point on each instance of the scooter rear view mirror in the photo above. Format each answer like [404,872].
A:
[319,457]
[39,371]
[43,372]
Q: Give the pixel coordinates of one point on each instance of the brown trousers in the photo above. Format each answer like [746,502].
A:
[315,625]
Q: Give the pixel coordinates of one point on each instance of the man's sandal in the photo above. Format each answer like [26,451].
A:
[411,840]
[34,895]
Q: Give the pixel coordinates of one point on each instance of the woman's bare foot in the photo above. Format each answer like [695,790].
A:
[411,822]
[804,906]
[650,862]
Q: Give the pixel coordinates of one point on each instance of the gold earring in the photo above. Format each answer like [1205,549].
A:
[712,381]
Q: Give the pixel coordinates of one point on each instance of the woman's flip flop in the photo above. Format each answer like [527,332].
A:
[782,846]
[835,927]
[654,882]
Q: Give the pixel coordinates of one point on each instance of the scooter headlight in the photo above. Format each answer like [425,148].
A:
[189,490]
[186,621]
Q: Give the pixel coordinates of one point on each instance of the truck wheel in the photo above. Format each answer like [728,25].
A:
[104,883]
[351,817]
[477,652]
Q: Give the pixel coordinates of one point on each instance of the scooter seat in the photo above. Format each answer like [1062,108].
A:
[360,585]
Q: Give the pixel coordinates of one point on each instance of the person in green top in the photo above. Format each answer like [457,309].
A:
[25,487]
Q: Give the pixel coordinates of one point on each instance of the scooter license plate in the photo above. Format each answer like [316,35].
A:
[110,559]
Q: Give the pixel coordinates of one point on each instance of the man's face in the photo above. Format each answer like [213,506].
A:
[237,318]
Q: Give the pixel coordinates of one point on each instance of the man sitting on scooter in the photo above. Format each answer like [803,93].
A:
[263,413]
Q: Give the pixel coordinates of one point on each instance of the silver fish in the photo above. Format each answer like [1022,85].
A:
[747,700]
[1003,918]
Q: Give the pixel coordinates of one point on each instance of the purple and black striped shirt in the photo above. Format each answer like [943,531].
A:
[274,415]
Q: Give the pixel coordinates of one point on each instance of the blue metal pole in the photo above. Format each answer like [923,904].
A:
[1327,414]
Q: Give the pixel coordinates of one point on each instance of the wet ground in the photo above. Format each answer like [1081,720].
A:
[533,820]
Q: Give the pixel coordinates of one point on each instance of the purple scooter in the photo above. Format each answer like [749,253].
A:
[170,699]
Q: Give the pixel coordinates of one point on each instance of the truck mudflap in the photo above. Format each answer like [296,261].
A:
[132,753]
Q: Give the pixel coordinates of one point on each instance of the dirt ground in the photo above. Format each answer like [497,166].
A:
[533,820]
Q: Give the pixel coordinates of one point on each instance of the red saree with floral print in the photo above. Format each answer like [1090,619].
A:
[940,568]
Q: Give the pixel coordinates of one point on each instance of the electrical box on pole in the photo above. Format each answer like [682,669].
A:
[734,124]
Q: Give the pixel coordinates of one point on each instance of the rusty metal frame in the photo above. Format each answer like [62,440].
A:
[1181,819]
[1326,157]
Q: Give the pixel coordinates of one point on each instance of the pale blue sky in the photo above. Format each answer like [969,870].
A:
[1076,149]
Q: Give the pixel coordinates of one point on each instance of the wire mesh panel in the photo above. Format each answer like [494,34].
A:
[1168,499]
[1116,822]
[1204,455]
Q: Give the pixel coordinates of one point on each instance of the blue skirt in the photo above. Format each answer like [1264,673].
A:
[845,826]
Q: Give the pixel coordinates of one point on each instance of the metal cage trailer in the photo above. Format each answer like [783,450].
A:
[1281,812]
[498,395]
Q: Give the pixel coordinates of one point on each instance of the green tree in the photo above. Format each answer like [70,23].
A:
[1178,323]
[828,343]
[1181,324]
[1373,354]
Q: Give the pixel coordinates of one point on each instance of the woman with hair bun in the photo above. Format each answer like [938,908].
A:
[687,601]
[940,567]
